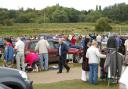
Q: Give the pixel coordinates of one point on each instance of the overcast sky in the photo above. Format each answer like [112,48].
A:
[40,4]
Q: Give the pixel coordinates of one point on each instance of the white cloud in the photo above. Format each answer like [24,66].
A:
[40,4]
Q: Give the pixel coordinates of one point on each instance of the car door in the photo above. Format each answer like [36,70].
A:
[53,52]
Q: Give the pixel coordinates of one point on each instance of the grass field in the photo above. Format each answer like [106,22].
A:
[54,28]
[75,84]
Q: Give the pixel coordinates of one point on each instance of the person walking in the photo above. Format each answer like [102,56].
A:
[9,53]
[20,60]
[42,48]
[94,56]
[85,65]
[63,49]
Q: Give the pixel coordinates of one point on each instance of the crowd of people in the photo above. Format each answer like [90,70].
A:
[10,50]
[97,49]
[106,51]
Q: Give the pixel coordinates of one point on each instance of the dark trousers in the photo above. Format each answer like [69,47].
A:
[62,63]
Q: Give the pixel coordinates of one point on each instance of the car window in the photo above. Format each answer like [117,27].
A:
[32,45]
[51,44]
[56,44]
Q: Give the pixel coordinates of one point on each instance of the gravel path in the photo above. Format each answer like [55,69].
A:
[52,76]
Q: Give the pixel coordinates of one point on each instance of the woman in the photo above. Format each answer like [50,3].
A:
[9,52]
[85,65]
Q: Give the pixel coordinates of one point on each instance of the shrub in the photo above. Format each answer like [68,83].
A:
[103,25]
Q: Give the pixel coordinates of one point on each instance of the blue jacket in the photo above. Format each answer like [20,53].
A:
[64,50]
[9,53]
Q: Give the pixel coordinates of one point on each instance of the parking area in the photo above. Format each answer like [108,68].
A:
[52,76]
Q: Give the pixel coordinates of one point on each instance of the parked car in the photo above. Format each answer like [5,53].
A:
[2,86]
[53,50]
[14,78]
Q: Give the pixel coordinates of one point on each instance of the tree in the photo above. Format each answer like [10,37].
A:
[92,16]
[103,25]
[117,12]
[60,16]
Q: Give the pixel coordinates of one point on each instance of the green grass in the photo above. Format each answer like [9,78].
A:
[54,28]
[74,84]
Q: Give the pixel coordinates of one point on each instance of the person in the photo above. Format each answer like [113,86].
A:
[104,41]
[78,41]
[73,40]
[111,43]
[118,42]
[63,49]
[93,55]
[42,48]
[98,39]
[85,65]
[20,59]
[9,52]
[126,53]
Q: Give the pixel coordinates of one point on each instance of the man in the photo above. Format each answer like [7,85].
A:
[42,48]
[63,49]
[93,55]
[19,47]
[111,43]
[9,52]
[118,42]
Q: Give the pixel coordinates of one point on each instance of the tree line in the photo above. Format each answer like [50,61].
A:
[58,14]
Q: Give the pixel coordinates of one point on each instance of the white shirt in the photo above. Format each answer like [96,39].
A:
[98,38]
[42,46]
[126,44]
[60,50]
[94,55]
[19,46]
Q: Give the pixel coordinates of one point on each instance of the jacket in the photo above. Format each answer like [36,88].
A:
[42,46]
[115,61]
[9,53]
[94,55]
[85,65]
[111,43]
[64,50]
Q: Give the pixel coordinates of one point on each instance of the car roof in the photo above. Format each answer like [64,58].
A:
[50,40]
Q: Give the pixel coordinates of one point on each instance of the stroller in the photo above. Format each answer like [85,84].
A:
[32,61]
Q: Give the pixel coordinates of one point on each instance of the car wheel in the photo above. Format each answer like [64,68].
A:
[13,87]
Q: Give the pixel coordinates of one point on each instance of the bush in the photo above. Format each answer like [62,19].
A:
[103,25]
[7,22]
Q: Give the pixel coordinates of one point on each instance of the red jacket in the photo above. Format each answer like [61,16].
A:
[73,40]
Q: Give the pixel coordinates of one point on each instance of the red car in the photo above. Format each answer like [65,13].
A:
[52,51]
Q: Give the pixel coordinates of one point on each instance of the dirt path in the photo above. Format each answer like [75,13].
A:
[52,76]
